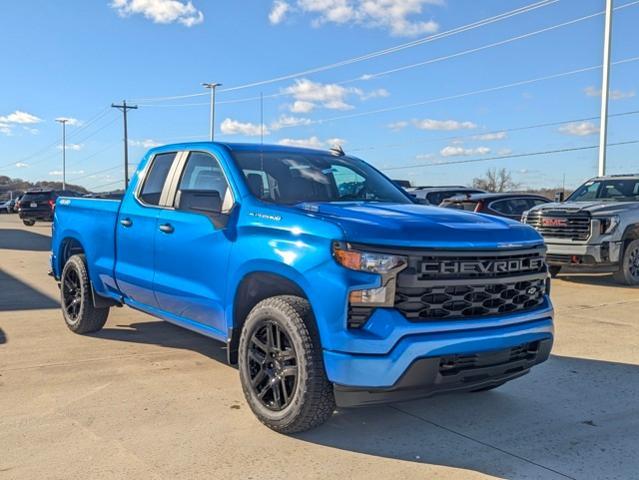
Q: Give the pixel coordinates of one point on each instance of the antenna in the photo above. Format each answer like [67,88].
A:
[261,131]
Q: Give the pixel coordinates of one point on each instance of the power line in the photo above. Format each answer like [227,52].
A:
[505,157]
[374,54]
[367,77]
[460,95]
[495,131]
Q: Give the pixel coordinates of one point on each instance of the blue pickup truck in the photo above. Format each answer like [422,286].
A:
[327,283]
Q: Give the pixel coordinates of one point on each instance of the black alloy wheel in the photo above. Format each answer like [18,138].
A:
[272,366]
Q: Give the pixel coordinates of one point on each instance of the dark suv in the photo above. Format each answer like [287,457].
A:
[509,205]
[38,205]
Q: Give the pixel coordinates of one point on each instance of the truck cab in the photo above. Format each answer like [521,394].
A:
[595,230]
[327,283]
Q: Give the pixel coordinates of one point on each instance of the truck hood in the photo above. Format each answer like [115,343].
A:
[595,208]
[407,225]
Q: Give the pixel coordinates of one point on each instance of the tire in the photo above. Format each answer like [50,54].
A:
[29,223]
[291,393]
[554,270]
[76,298]
[628,273]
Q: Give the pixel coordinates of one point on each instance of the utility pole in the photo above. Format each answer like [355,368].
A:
[212,87]
[124,108]
[605,88]
[64,121]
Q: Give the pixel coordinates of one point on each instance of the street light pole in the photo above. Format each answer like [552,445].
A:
[605,89]
[212,87]
[64,121]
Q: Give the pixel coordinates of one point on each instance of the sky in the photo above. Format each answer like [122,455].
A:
[427,90]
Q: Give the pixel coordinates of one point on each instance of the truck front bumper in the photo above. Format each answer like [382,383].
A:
[602,256]
[427,364]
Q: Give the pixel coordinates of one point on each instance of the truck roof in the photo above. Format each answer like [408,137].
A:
[250,147]
[620,176]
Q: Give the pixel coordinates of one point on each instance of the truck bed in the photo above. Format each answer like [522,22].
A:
[92,222]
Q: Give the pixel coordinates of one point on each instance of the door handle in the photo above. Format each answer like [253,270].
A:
[126,222]
[166,228]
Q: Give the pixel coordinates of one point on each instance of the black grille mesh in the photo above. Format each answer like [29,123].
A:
[468,301]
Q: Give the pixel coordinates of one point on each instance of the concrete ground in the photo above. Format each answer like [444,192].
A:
[144,399]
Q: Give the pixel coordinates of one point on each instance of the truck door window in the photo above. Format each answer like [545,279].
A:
[154,181]
[204,173]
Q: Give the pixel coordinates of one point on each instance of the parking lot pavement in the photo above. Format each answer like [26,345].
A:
[145,399]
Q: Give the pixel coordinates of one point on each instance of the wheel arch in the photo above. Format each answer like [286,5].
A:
[254,287]
[630,233]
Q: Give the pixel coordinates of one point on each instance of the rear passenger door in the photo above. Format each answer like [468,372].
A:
[136,229]
[191,251]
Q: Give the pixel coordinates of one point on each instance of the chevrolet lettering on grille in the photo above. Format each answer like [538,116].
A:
[452,267]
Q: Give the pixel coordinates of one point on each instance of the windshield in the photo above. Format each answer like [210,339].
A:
[290,178]
[607,190]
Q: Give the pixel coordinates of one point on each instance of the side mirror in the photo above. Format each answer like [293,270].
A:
[206,202]
[559,197]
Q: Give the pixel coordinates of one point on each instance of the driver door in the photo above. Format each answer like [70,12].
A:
[191,252]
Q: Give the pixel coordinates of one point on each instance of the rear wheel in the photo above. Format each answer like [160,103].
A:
[554,270]
[281,366]
[628,272]
[76,298]
[29,223]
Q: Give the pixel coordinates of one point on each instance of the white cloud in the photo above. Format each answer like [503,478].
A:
[308,95]
[311,142]
[278,12]
[234,127]
[311,94]
[160,11]
[395,16]
[73,122]
[614,94]
[398,125]
[21,165]
[72,146]
[447,125]
[20,118]
[146,143]
[579,129]
[453,151]
[289,121]
[300,106]
[58,173]
[490,136]
[32,131]
[379,93]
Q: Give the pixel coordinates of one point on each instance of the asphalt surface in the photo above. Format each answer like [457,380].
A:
[145,399]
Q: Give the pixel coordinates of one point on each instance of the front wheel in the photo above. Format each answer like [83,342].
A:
[76,298]
[281,366]
[29,223]
[628,272]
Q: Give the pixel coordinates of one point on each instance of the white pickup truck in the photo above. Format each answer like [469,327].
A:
[596,229]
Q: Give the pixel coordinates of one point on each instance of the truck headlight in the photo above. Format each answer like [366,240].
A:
[386,265]
[381,263]
[608,225]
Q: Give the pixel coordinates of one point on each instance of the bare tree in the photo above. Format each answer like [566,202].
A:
[495,181]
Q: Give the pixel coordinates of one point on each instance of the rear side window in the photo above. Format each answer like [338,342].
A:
[512,206]
[154,182]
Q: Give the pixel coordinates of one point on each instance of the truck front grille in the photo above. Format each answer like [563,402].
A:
[560,224]
[467,285]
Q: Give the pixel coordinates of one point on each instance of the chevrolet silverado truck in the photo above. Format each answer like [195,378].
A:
[595,230]
[327,283]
